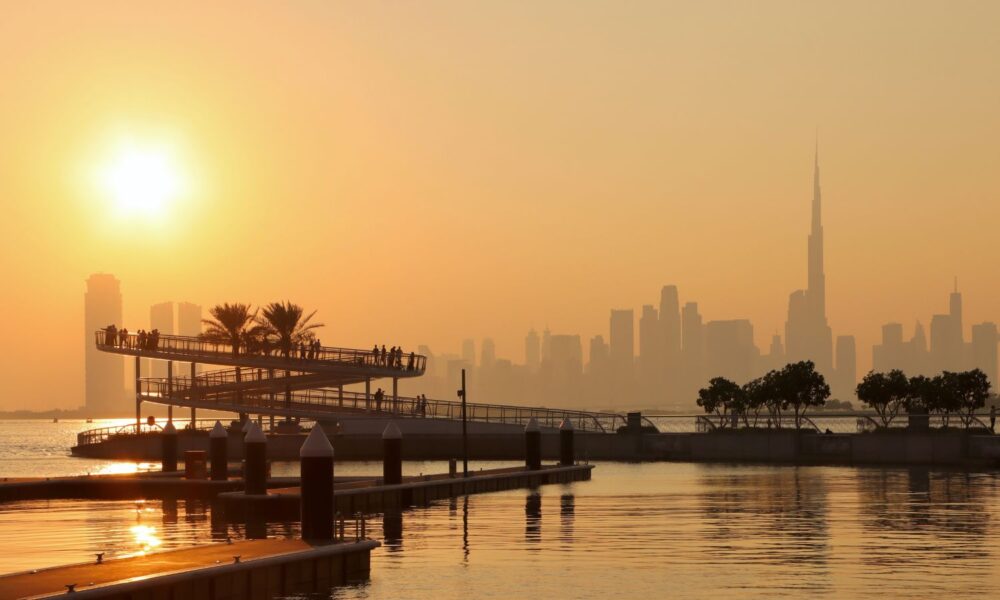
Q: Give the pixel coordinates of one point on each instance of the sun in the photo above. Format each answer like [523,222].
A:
[141,179]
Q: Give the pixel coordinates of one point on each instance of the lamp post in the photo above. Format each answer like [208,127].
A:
[465,433]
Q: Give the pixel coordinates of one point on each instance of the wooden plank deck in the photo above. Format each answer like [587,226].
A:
[207,571]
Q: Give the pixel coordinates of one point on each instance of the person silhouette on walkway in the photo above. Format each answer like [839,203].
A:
[378,400]
[383,354]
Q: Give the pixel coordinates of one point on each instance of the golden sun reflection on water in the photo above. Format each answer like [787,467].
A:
[145,536]
[124,468]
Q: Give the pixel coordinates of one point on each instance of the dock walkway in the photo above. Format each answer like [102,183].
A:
[265,569]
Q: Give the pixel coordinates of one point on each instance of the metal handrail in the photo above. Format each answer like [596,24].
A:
[101,434]
[191,346]
[327,400]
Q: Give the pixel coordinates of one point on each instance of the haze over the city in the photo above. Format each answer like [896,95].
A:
[429,172]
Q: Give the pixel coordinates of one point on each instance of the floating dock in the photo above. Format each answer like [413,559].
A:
[373,496]
[257,569]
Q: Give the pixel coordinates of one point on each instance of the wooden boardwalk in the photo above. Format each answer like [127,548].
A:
[265,568]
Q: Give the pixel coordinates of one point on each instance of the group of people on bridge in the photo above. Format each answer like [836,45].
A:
[120,338]
[418,407]
[392,358]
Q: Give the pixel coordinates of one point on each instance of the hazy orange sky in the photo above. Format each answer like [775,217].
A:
[422,172]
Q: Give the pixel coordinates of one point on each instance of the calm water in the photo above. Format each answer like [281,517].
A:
[664,529]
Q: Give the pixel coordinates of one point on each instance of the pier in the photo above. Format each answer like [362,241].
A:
[255,569]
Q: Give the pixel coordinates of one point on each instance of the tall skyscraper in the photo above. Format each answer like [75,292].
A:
[487,354]
[161,318]
[846,369]
[651,348]
[622,348]
[104,382]
[984,351]
[692,353]
[670,319]
[729,350]
[532,351]
[188,319]
[469,353]
[670,322]
[807,334]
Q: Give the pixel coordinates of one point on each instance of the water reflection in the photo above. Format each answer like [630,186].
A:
[392,530]
[567,509]
[533,517]
[762,515]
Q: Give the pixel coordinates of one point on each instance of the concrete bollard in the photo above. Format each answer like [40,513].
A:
[392,455]
[566,450]
[219,452]
[316,464]
[169,438]
[255,461]
[532,445]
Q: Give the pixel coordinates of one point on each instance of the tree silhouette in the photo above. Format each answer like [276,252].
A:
[885,393]
[722,397]
[968,392]
[800,386]
[284,322]
[230,324]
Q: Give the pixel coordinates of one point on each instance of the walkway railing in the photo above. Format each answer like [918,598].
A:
[333,401]
[185,348]
[853,422]
[103,434]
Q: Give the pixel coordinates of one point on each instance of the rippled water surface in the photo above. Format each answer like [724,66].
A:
[646,530]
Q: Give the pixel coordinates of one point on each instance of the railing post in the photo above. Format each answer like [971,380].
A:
[138,396]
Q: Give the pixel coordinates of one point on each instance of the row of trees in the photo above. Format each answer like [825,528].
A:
[890,394]
[793,388]
[798,386]
[281,325]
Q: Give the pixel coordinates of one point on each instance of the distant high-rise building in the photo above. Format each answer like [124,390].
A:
[807,334]
[984,351]
[104,374]
[670,319]
[846,369]
[890,354]
[188,319]
[670,322]
[651,350]
[692,352]
[622,348]
[729,350]
[487,354]
[188,325]
[546,344]
[469,352]
[161,318]
[532,351]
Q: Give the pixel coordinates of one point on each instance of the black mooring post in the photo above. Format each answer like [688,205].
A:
[316,498]
[219,451]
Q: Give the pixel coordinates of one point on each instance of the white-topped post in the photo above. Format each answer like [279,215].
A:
[218,441]
[532,445]
[392,454]
[255,461]
[316,464]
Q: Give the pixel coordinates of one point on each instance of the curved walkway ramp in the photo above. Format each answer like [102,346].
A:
[341,364]
[310,386]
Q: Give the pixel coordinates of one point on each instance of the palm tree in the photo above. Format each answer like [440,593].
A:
[230,324]
[284,321]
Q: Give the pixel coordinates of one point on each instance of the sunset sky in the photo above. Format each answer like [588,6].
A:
[421,172]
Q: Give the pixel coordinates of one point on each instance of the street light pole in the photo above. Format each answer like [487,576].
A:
[465,433]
